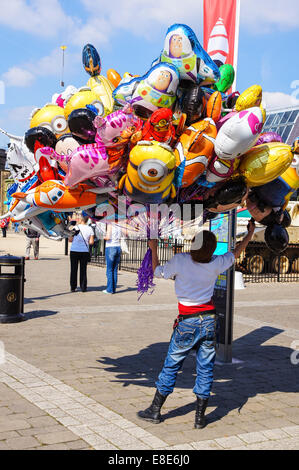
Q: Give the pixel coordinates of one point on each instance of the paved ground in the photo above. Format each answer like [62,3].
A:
[73,375]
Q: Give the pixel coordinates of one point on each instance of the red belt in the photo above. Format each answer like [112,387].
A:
[187,310]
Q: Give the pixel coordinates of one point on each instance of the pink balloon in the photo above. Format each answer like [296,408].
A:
[86,162]
[111,127]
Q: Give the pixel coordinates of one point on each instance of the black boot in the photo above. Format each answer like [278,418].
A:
[200,420]
[153,412]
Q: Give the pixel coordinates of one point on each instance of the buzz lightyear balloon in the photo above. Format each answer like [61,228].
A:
[156,89]
[183,50]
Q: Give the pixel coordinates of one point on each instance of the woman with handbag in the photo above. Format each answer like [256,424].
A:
[79,253]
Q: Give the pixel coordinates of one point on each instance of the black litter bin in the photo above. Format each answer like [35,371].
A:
[12,281]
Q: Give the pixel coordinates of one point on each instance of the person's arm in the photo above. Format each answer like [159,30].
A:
[153,245]
[243,244]
[91,240]
[108,234]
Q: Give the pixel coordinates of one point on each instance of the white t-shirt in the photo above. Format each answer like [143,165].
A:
[115,237]
[194,282]
[81,241]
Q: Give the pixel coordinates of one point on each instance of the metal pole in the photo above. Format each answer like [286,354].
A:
[66,245]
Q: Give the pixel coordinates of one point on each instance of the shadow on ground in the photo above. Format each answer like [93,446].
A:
[39,313]
[264,369]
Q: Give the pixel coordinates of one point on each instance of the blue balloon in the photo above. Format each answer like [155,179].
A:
[91,60]
[183,50]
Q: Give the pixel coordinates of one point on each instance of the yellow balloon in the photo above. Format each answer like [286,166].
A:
[265,162]
[252,96]
[81,98]
[103,88]
[52,117]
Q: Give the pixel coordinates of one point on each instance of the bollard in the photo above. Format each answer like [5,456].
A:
[12,280]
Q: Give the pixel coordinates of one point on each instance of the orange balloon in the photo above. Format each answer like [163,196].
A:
[214,106]
[114,77]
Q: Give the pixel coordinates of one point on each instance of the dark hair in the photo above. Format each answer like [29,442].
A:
[205,253]
[84,218]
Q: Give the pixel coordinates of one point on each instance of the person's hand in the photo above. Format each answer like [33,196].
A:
[251,227]
[153,244]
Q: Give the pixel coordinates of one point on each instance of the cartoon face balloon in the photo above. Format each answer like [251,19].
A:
[183,50]
[239,133]
[51,117]
[156,89]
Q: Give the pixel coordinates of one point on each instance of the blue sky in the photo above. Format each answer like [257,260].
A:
[129,34]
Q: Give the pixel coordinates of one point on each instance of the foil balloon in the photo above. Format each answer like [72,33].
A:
[114,77]
[20,166]
[278,192]
[100,85]
[238,134]
[56,196]
[194,150]
[40,135]
[227,76]
[192,104]
[267,137]
[81,124]
[51,117]
[159,127]
[264,163]
[219,170]
[156,89]
[183,50]
[85,96]
[91,60]
[116,131]
[85,162]
[250,98]
[276,238]
[150,173]
[227,196]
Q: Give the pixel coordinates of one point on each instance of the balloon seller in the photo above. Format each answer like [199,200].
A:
[195,274]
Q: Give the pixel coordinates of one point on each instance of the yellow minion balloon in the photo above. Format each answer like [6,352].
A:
[150,173]
[52,117]
[265,162]
[84,96]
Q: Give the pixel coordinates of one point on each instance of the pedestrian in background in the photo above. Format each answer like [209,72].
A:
[32,241]
[112,255]
[4,225]
[79,253]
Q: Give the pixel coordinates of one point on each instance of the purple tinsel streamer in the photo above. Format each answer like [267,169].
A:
[145,275]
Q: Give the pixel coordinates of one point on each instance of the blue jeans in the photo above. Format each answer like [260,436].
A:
[112,255]
[189,333]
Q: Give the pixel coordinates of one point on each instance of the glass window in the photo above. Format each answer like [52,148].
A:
[286,132]
[270,119]
[285,117]
[294,116]
[277,118]
[280,130]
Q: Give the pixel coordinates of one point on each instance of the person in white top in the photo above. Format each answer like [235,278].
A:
[79,253]
[195,274]
[112,255]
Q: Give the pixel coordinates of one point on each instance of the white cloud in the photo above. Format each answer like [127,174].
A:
[50,65]
[267,15]
[43,18]
[276,100]
[18,77]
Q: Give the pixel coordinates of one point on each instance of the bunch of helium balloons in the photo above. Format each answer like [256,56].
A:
[174,134]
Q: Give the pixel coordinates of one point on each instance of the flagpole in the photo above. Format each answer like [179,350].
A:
[236,47]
